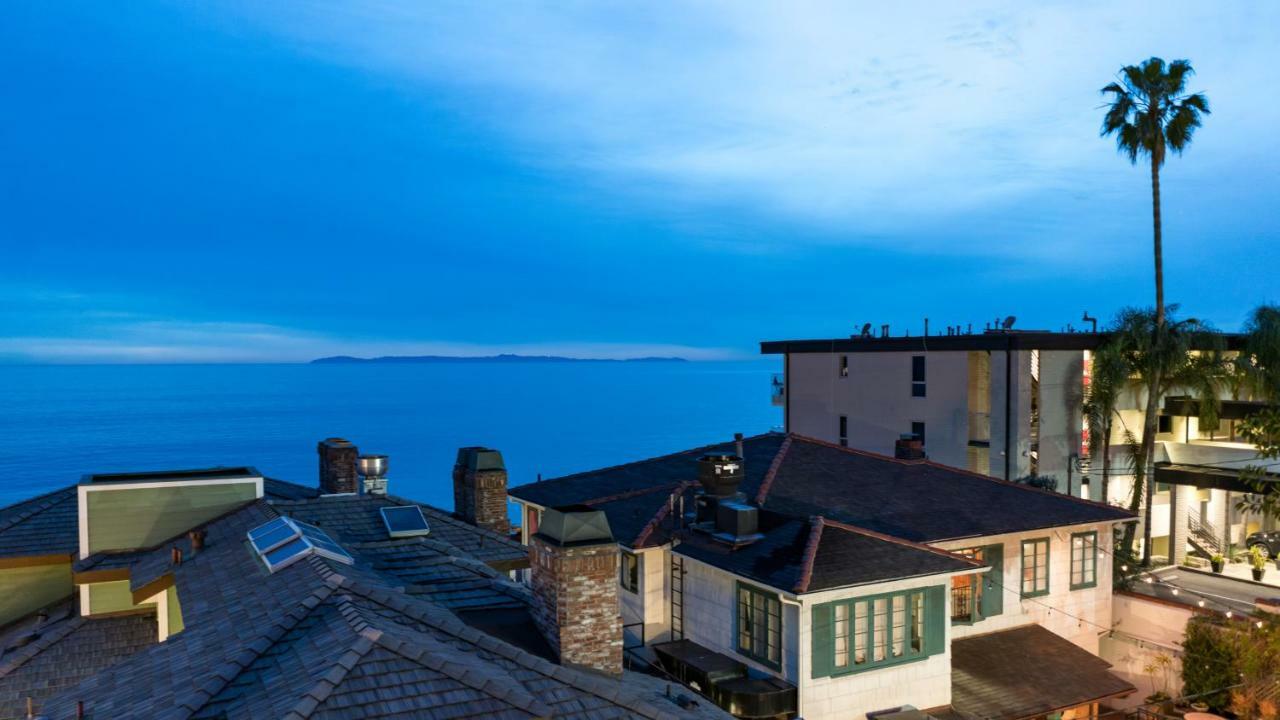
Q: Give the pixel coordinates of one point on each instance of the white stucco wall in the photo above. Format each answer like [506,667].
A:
[1145,628]
[1061,398]
[1091,605]
[876,397]
[649,604]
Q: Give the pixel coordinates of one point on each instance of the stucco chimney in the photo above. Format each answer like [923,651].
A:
[337,466]
[574,576]
[480,488]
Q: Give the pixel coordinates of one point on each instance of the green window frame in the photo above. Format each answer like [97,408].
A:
[982,594]
[877,631]
[759,625]
[629,571]
[1084,560]
[1035,567]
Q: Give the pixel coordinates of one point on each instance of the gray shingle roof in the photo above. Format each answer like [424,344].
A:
[320,639]
[44,525]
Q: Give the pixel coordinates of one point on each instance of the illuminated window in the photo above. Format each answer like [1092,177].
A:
[1084,560]
[1035,567]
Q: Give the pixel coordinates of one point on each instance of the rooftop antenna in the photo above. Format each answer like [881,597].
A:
[1092,320]
[1008,323]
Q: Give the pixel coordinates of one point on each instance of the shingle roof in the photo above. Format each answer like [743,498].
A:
[314,639]
[1026,672]
[871,510]
[819,554]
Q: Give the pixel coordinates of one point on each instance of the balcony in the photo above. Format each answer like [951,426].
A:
[962,603]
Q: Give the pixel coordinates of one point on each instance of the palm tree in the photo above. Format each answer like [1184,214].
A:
[1108,377]
[1178,354]
[1149,114]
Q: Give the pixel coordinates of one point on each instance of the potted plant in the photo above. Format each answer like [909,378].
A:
[1258,560]
[1216,562]
[1200,706]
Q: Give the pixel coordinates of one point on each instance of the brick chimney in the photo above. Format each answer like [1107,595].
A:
[574,576]
[338,466]
[480,488]
[908,447]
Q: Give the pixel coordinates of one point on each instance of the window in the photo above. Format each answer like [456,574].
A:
[533,519]
[966,591]
[844,366]
[844,431]
[759,625]
[917,376]
[1035,567]
[917,429]
[865,633]
[1084,560]
[1164,424]
[629,572]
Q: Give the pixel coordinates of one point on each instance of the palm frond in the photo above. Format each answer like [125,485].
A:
[1176,77]
[1181,127]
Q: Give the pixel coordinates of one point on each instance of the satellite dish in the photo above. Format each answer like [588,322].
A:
[1008,322]
[866,330]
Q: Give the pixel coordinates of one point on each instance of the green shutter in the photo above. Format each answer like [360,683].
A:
[935,619]
[823,635]
[993,582]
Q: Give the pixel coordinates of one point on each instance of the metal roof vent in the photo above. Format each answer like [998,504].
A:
[720,474]
[373,473]
[569,525]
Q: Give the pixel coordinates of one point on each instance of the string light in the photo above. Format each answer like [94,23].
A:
[1229,614]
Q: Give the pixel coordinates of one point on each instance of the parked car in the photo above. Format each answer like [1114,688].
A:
[1269,541]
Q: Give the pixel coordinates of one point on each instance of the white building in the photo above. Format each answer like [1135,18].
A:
[1010,404]
[804,579]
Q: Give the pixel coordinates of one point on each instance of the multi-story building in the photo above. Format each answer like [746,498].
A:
[786,576]
[1009,404]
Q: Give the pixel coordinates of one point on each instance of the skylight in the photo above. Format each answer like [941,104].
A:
[284,541]
[404,521]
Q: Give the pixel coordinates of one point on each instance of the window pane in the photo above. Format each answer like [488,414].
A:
[899,624]
[917,622]
[860,633]
[842,635]
[880,629]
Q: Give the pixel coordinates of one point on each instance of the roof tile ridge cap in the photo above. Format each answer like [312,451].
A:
[655,458]
[468,670]
[631,493]
[767,484]
[902,541]
[248,654]
[24,654]
[663,510]
[46,501]
[322,688]
[858,451]
[810,553]
[1001,481]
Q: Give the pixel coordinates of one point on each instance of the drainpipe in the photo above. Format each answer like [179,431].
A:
[1008,381]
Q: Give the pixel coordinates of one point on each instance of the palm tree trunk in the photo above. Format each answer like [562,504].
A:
[1106,462]
[1157,239]
[1143,484]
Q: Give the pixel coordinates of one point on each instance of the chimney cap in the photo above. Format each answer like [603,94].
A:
[480,458]
[569,525]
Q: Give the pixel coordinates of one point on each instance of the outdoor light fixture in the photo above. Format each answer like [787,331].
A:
[1201,603]
[1228,614]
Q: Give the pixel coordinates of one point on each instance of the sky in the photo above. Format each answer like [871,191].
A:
[272,182]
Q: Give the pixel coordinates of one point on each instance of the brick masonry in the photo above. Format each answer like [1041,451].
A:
[338,466]
[480,495]
[575,593]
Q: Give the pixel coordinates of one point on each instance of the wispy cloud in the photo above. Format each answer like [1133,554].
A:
[169,341]
[858,124]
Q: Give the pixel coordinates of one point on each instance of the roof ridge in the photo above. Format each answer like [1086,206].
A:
[899,541]
[323,687]
[652,525]
[665,456]
[631,493]
[231,668]
[810,553]
[767,484]
[45,502]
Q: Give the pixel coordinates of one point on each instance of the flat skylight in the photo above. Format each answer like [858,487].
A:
[284,541]
[404,521]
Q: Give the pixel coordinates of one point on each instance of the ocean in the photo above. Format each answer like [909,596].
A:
[58,423]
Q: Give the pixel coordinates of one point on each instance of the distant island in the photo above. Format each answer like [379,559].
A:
[504,358]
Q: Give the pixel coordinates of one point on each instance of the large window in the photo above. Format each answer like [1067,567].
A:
[844,430]
[917,376]
[1084,560]
[865,633]
[1035,567]
[629,571]
[759,625]
[844,366]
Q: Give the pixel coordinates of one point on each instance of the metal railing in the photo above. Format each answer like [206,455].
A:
[962,602]
[1205,532]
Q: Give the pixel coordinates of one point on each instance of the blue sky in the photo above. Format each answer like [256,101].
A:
[248,181]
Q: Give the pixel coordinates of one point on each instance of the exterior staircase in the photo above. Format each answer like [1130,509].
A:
[1204,538]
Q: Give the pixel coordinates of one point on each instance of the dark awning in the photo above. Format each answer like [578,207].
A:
[1186,406]
[1026,672]
[1206,476]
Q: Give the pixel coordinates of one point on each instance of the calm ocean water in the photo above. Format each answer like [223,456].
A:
[60,422]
